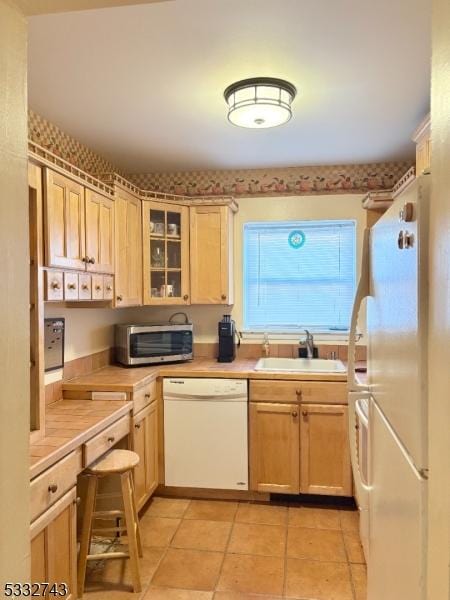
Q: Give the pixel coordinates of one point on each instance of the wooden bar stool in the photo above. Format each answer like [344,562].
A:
[118,462]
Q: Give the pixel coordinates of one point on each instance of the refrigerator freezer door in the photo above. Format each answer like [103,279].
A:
[396,319]
[396,568]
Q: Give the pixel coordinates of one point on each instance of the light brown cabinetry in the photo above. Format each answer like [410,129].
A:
[325,460]
[422,138]
[99,233]
[165,253]
[64,222]
[274,448]
[54,545]
[128,244]
[145,444]
[211,254]
[299,438]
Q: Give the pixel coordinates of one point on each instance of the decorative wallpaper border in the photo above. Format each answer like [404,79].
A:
[328,179]
[334,179]
[52,138]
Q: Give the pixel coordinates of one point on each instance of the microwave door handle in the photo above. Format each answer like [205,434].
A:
[362,291]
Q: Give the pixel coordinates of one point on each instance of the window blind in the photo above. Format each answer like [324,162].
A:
[299,275]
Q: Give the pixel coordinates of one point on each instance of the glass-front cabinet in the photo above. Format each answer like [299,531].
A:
[166,253]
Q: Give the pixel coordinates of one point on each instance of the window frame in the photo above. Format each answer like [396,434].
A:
[289,333]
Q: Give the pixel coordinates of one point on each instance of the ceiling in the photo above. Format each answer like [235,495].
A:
[143,85]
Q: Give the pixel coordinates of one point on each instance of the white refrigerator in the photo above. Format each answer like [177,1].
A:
[392,496]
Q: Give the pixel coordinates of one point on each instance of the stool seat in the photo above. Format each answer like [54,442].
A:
[114,461]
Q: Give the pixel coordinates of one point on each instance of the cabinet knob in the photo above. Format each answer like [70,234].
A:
[85,259]
[119,298]
[223,296]
[111,439]
[294,414]
[299,393]
[71,286]
[77,501]
[92,260]
[85,286]
[305,413]
[98,287]
[137,426]
[147,396]
[56,285]
[52,488]
[108,288]
[185,297]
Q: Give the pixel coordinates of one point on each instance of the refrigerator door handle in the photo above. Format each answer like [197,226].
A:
[362,291]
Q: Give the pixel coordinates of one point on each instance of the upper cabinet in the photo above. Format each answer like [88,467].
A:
[64,222]
[165,253]
[128,245]
[99,233]
[79,226]
[211,254]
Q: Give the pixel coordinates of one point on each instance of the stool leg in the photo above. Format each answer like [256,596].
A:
[86,532]
[127,493]
[136,519]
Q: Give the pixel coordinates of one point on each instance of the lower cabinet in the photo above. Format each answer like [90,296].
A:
[274,448]
[145,444]
[298,447]
[54,546]
[324,450]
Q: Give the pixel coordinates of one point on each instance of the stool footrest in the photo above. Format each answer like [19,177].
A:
[106,514]
[108,530]
[107,555]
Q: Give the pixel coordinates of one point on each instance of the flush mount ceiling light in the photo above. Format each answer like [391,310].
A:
[260,102]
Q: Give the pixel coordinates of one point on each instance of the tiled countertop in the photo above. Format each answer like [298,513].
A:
[70,423]
[128,379]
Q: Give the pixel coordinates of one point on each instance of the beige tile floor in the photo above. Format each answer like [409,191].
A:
[214,550]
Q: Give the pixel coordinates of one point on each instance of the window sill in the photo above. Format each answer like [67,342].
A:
[293,337]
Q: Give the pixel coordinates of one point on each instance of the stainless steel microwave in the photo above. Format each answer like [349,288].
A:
[153,344]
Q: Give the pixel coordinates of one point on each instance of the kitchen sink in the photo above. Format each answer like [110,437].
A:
[300,365]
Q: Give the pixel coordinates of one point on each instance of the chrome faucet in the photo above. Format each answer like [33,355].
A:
[309,343]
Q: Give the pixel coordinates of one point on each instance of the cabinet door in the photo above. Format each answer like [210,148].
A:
[151,448]
[99,233]
[211,249]
[64,222]
[165,253]
[274,448]
[139,448]
[54,545]
[325,454]
[128,254]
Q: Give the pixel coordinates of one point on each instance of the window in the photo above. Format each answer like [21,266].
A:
[299,275]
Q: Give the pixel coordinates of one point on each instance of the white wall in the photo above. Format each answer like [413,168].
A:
[91,330]
[439,329]
[14,300]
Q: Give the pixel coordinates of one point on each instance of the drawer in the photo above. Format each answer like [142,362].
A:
[108,287]
[143,396]
[52,484]
[97,287]
[70,286]
[54,289]
[321,392]
[103,441]
[85,286]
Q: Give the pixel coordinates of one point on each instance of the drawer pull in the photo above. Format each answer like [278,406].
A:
[295,414]
[98,287]
[305,413]
[56,285]
[52,488]
[108,288]
[85,286]
[147,396]
[111,439]
[71,286]
[299,393]
[137,426]
[224,296]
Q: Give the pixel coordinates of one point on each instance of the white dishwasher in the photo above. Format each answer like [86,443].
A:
[205,433]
